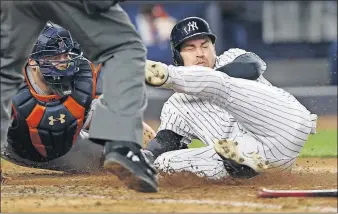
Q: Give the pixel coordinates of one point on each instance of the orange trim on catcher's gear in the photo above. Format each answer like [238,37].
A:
[46,98]
[78,130]
[74,107]
[36,141]
[14,113]
[35,116]
[92,66]
[98,68]
[43,98]
[33,121]
[95,74]
[78,112]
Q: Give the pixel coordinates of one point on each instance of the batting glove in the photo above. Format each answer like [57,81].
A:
[156,73]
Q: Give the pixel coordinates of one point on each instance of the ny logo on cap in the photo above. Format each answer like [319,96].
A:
[191,26]
[52,119]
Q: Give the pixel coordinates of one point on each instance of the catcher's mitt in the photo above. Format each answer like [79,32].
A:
[148,134]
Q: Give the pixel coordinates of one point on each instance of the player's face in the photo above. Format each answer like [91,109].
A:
[59,61]
[198,51]
[38,77]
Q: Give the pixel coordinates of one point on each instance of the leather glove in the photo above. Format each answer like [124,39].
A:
[238,58]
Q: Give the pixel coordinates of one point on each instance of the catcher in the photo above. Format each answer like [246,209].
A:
[53,108]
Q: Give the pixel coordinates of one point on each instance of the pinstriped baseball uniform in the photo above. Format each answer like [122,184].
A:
[260,117]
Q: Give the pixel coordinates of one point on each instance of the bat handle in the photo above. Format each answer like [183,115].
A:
[294,193]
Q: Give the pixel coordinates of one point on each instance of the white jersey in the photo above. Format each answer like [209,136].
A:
[262,118]
[192,117]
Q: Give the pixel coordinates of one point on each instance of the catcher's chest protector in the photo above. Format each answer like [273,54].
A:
[46,127]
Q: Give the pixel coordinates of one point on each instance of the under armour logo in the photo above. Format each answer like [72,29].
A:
[191,26]
[52,119]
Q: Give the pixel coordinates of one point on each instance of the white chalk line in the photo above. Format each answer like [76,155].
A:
[313,170]
[183,201]
[16,194]
[242,204]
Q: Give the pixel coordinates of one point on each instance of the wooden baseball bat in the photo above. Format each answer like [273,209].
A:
[266,193]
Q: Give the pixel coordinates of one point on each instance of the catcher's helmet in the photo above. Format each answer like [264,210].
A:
[53,41]
[186,29]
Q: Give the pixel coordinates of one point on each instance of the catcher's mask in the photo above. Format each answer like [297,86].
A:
[57,56]
[187,29]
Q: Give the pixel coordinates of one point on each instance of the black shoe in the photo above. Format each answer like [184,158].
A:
[236,170]
[238,164]
[125,160]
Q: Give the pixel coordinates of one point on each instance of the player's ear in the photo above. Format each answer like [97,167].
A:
[215,54]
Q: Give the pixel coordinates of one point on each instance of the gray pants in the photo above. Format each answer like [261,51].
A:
[108,38]
[84,157]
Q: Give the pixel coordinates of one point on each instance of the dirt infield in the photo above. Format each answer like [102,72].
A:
[46,191]
[32,190]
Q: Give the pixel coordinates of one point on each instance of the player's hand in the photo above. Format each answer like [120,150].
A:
[156,73]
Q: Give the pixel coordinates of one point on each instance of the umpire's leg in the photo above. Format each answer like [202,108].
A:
[110,38]
[20,27]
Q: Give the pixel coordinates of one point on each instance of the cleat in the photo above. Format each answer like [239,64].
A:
[237,164]
[156,73]
[130,165]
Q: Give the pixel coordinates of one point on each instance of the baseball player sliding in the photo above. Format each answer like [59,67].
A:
[53,109]
[247,124]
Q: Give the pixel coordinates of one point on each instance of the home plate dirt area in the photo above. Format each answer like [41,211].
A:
[33,190]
